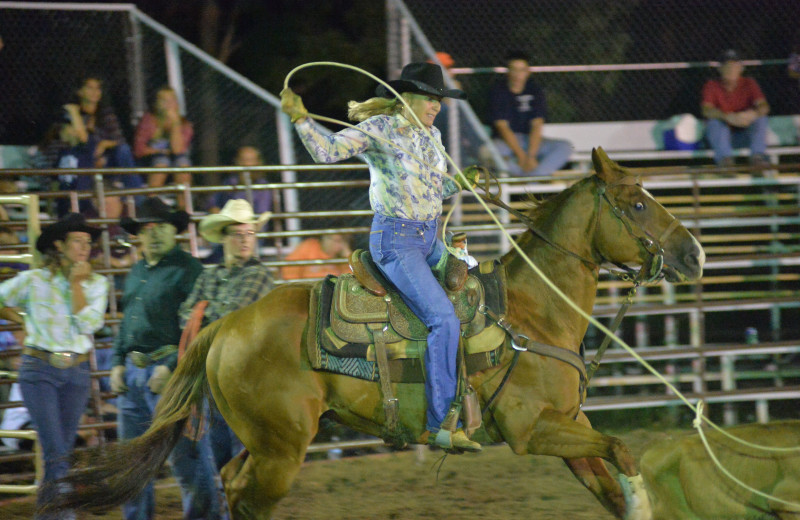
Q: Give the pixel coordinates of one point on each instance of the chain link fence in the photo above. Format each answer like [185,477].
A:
[562,36]
[49,50]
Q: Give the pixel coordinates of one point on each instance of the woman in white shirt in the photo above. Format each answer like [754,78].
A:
[64,303]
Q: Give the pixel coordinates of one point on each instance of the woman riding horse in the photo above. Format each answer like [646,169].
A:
[406,193]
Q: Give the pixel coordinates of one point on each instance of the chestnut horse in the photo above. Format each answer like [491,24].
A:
[254,361]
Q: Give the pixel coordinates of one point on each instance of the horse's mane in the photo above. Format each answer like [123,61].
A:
[539,207]
[538,204]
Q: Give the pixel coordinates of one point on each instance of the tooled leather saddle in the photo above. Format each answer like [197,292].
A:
[359,317]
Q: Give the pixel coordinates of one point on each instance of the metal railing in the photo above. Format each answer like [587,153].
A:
[726,210]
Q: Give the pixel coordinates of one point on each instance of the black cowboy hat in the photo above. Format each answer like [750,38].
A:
[70,223]
[422,78]
[153,209]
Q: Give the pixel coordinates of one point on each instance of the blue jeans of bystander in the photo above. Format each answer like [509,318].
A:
[723,138]
[56,398]
[553,154]
[191,461]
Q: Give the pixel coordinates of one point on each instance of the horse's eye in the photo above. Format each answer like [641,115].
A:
[639,206]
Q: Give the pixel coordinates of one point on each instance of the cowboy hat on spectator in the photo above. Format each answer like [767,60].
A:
[235,211]
[153,209]
[70,223]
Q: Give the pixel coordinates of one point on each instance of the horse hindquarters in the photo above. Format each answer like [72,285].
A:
[270,401]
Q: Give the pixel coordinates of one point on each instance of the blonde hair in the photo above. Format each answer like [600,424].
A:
[363,110]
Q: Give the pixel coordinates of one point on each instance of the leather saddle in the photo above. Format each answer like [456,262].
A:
[452,275]
[352,309]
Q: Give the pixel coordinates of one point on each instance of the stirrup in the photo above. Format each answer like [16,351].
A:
[454,442]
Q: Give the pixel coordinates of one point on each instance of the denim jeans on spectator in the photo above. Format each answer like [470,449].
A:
[724,138]
[191,461]
[405,251]
[553,155]
[224,443]
[82,156]
[56,398]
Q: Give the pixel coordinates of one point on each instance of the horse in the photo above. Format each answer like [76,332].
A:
[683,482]
[254,363]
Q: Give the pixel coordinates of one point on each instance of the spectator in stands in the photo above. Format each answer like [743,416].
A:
[406,193]
[326,247]
[517,112]
[234,284]
[163,138]
[246,156]
[88,135]
[64,304]
[736,113]
[145,353]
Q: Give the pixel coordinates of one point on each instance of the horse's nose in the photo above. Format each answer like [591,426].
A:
[695,258]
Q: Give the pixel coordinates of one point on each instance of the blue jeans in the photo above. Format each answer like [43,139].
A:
[225,445]
[553,155]
[405,251]
[56,398]
[723,138]
[83,157]
[191,461]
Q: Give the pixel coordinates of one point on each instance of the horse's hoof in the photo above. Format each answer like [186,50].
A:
[637,503]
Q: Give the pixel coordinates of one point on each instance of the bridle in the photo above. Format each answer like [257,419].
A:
[650,271]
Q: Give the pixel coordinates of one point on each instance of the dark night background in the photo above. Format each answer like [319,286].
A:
[264,40]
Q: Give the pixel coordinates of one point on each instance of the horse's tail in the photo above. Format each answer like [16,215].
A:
[117,473]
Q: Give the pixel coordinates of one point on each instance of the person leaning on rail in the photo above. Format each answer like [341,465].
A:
[64,304]
[146,353]
[406,195]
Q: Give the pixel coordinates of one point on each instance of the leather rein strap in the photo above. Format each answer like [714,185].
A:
[522,343]
[648,273]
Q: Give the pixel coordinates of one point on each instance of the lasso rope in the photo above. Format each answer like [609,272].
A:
[519,250]
[697,423]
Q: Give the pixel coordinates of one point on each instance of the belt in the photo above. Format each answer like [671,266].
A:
[57,359]
[145,359]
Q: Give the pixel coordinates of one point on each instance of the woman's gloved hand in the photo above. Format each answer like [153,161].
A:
[473,175]
[292,105]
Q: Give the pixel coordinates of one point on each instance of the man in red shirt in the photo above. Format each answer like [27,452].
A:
[736,113]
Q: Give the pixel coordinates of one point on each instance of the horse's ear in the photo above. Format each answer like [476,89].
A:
[606,169]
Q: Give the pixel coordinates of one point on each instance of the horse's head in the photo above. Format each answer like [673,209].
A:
[633,228]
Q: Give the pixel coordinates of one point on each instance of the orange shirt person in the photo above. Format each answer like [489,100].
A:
[326,247]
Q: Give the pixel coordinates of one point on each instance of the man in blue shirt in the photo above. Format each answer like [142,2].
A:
[517,111]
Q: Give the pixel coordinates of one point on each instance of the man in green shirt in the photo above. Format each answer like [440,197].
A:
[145,354]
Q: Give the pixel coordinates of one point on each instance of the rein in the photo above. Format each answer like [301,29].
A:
[648,273]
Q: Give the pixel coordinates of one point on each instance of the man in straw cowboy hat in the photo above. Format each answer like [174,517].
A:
[237,282]
[406,190]
[64,304]
[146,353]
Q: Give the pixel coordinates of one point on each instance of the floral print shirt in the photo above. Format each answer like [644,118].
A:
[402,184]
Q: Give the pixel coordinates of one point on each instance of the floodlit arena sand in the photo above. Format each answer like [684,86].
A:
[492,485]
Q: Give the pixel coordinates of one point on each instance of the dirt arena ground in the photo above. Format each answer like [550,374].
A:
[492,485]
